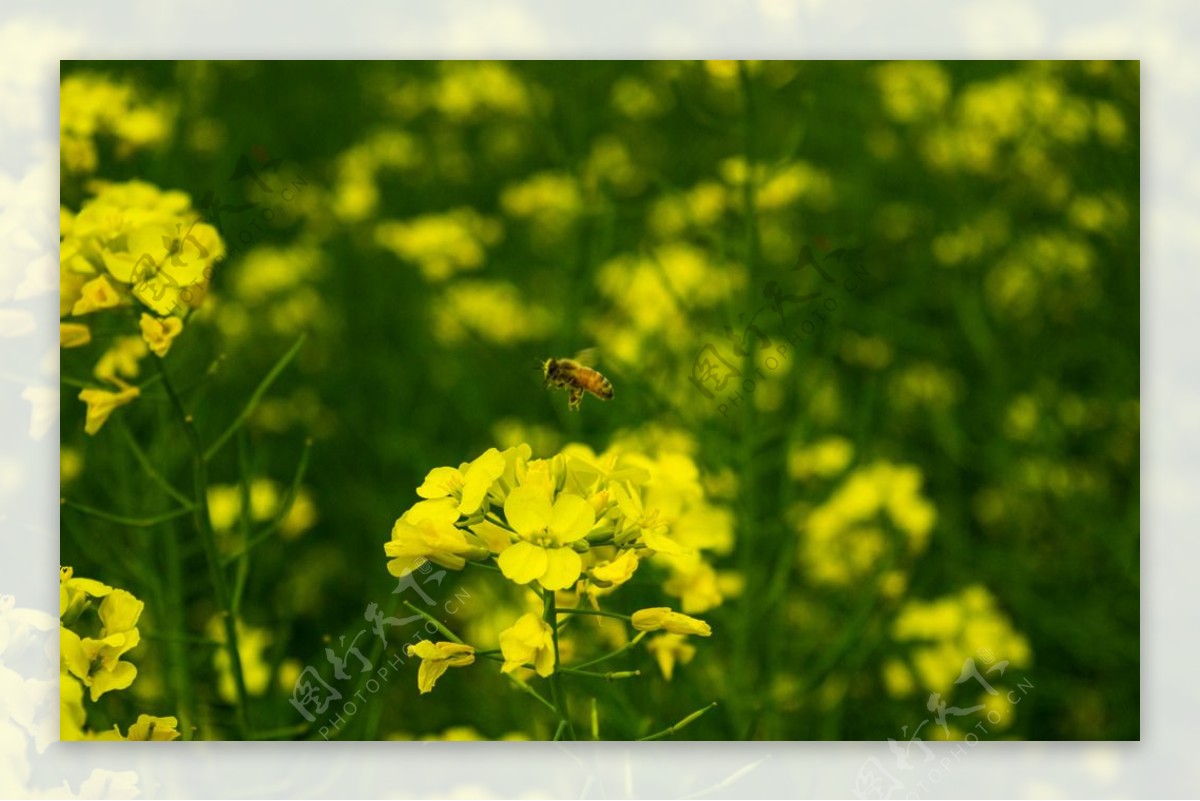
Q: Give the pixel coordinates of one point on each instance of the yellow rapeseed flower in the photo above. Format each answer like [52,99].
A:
[529,640]
[160,332]
[546,530]
[468,484]
[73,335]
[101,403]
[95,295]
[427,532]
[670,650]
[437,658]
[666,619]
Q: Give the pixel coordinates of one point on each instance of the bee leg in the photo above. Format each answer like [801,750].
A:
[575,399]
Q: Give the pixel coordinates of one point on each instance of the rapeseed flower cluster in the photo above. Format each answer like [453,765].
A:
[92,107]
[849,538]
[572,528]
[944,638]
[138,252]
[98,627]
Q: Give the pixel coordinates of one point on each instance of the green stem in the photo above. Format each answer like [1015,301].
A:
[212,554]
[450,635]
[135,522]
[252,404]
[147,466]
[550,615]
[595,612]
[667,732]
[626,647]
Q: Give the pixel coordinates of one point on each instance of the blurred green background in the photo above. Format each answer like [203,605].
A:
[452,224]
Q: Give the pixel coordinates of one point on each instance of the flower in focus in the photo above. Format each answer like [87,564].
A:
[159,333]
[468,484]
[663,618]
[544,553]
[427,531]
[670,650]
[530,639]
[96,661]
[101,403]
[437,658]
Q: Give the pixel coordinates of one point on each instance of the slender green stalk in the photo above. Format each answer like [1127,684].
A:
[626,647]
[550,615]
[449,635]
[595,612]
[667,732]
[122,520]
[243,558]
[208,539]
[743,661]
[149,467]
[252,404]
[263,534]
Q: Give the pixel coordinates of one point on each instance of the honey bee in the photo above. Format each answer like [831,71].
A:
[576,378]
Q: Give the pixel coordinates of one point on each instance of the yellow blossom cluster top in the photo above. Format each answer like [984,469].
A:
[134,250]
[847,539]
[576,525]
[91,106]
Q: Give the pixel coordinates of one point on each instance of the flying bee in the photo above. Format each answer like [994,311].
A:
[576,377]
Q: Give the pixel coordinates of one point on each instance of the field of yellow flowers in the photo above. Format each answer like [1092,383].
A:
[870,469]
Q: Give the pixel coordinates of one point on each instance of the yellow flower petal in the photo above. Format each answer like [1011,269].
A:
[563,567]
[160,333]
[101,403]
[480,476]
[618,571]
[571,518]
[527,510]
[73,335]
[523,562]
[150,728]
[530,639]
[95,295]
[119,678]
[441,482]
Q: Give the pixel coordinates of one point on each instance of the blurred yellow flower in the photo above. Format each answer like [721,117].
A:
[529,640]
[437,658]
[670,650]
[101,403]
[664,618]
[95,295]
[73,335]
[826,458]
[159,333]
[148,728]
[441,244]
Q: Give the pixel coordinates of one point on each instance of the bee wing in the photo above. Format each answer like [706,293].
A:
[588,357]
